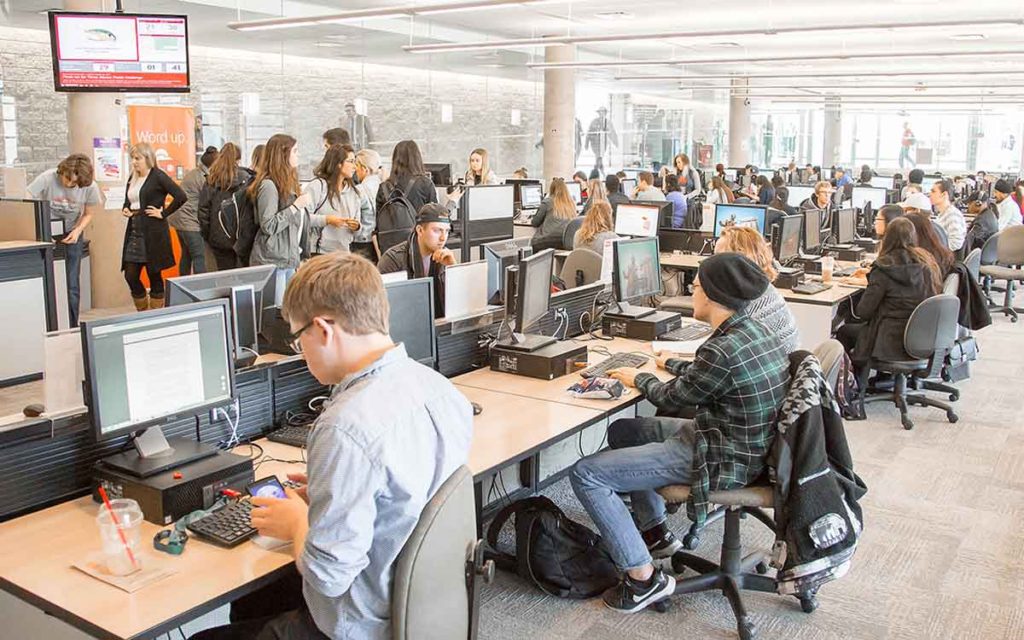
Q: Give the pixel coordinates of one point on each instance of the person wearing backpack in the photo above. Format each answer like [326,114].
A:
[220,228]
[423,253]
[402,195]
[338,205]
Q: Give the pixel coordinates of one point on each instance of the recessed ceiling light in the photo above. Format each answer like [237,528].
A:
[493,55]
[968,36]
[614,15]
[724,45]
[493,65]
[337,37]
[330,44]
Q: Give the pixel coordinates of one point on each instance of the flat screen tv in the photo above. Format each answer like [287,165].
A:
[119,52]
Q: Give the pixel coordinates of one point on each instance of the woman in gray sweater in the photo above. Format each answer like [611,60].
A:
[596,228]
[337,206]
[552,217]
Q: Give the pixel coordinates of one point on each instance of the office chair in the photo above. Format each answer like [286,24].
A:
[973,264]
[436,589]
[569,234]
[941,232]
[989,252]
[928,338]
[1009,260]
[582,267]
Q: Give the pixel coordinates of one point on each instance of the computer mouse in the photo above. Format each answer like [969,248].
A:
[477,409]
[34,410]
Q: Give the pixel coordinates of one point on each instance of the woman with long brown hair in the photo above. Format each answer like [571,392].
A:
[225,178]
[337,204]
[596,228]
[929,240]
[280,210]
[553,216]
[720,193]
[409,175]
[480,168]
[147,240]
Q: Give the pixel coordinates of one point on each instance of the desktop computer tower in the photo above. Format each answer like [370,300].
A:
[547,363]
[647,327]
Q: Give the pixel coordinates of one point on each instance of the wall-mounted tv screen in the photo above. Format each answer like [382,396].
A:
[119,52]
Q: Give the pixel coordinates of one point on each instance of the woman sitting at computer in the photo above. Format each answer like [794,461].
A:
[765,190]
[679,205]
[480,169]
[720,192]
[596,229]
[552,217]
[595,193]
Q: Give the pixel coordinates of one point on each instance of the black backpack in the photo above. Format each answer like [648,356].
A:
[557,555]
[395,218]
[228,216]
[245,225]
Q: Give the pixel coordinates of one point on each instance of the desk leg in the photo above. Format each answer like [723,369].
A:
[529,473]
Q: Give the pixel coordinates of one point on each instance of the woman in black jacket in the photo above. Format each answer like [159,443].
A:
[226,177]
[409,175]
[147,242]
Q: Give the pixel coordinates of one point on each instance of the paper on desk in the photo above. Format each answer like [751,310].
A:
[153,570]
[684,349]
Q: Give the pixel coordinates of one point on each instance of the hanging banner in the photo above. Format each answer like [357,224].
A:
[170,130]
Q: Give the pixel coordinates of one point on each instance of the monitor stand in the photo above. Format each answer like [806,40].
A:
[628,311]
[526,342]
[155,454]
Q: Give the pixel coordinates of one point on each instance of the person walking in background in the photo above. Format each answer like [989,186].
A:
[186,220]
[908,140]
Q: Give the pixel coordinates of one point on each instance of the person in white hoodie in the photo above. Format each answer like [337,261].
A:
[1009,212]
[336,205]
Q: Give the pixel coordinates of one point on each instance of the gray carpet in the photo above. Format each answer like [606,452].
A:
[942,554]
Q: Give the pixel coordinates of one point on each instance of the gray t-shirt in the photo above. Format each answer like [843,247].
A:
[65,204]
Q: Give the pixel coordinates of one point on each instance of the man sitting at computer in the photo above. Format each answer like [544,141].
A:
[423,254]
[391,434]
[737,380]
[645,189]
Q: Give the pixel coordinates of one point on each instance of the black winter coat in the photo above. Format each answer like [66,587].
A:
[154,192]
[210,199]
[892,294]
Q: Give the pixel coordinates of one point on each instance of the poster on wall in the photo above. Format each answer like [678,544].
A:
[107,157]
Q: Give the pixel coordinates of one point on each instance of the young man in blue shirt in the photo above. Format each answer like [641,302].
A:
[392,432]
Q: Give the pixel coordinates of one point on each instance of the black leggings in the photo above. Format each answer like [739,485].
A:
[133,275]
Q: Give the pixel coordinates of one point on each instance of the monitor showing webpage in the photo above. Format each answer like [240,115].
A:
[637,220]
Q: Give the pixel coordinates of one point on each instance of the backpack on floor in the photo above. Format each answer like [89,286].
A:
[557,555]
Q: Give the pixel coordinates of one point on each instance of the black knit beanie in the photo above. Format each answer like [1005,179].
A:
[732,280]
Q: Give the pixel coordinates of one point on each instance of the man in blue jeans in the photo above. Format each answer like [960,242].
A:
[737,381]
[73,196]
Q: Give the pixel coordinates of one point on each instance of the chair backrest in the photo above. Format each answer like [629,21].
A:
[1010,251]
[990,250]
[952,284]
[570,231]
[941,232]
[830,355]
[582,260]
[932,328]
[430,600]
[973,263]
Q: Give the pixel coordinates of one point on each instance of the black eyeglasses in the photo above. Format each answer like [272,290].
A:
[294,339]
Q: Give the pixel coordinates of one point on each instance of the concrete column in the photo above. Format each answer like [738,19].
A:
[739,123]
[559,114]
[833,131]
[98,115]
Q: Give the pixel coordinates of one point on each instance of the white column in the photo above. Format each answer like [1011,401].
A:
[833,131]
[739,123]
[559,113]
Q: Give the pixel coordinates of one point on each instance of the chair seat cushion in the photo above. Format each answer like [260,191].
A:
[752,496]
[898,366]
[1000,272]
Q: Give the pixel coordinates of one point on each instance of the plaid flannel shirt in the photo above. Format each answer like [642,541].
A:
[738,380]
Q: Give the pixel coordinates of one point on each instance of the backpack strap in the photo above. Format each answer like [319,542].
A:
[502,560]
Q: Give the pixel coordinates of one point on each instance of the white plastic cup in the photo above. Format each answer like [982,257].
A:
[127,516]
[828,263]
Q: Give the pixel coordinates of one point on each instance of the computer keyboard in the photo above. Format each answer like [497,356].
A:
[616,361]
[687,332]
[811,288]
[293,435]
[228,526]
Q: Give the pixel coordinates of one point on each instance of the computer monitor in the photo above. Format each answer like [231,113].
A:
[637,273]
[881,182]
[927,182]
[531,280]
[411,318]
[864,195]
[798,194]
[575,191]
[786,243]
[628,186]
[740,215]
[826,174]
[846,226]
[730,174]
[145,370]
[812,230]
[489,202]
[530,195]
[637,219]
[501,255]
[247,289]
[440,174]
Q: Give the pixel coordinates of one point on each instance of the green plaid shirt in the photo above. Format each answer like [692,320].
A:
[738,380]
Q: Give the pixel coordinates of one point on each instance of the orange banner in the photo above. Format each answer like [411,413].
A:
[170,130]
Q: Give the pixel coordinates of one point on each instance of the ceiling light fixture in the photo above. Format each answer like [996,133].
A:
[614,15]
[987,71]
[967,37]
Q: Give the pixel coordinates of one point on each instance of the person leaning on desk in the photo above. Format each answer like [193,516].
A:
[423,254]
[738,380]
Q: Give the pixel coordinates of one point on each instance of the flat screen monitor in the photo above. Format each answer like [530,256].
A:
[927,182]
[826,174]
[411,318]
[490,202]
[787,245]
[846,226]
[628,186]
[636,219]
[440,174]
[730,174]
[465,289]
[637,268]
[501,255]
[797,195]
[119,52]
[740,215]
[147,369]
[881,182]
[864,195]
[575,191]
[534,290]
[531,195]
[812,230]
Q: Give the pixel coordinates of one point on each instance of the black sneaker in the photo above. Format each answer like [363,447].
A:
[665,546]
[630,596]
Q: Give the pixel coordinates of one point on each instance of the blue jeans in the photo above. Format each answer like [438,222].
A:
[73,270]
[658,453]
[193,253]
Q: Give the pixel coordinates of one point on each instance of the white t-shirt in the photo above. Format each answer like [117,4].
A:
[65,204]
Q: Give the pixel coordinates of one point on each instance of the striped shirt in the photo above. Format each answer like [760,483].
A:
[389,437]
[738,380]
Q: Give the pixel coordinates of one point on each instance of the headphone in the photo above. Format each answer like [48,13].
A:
[170,541]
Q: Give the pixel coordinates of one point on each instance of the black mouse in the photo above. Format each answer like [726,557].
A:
[34,410]
[477,409]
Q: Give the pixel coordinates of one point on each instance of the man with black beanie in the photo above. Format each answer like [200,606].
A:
[737,381]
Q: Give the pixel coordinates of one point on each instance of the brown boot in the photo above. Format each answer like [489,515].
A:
[141,304]
[156,303]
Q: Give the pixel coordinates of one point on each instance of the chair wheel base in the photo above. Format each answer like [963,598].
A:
[908,424]
[761,568]
[808,603]
[691,541]
[952,417]
[746,629]
[661,606]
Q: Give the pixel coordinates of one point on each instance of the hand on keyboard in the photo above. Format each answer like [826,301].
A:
[625,375]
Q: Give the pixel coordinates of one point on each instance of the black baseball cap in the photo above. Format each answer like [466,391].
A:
[433,212]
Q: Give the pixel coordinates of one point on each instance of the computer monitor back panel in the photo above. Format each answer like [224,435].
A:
[411,320]
[575,191]
[846,226]
[244,319]
[740,215]
[490,202]
[812,230]
[637,269]
[637,219]
[881,182]
[465,289]
[440,174]
[534,294]
[864,195]
[787,245]
[499,256]
[797,195]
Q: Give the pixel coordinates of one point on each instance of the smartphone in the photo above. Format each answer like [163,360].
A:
[269,487]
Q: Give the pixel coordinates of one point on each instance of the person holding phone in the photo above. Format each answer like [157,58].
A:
[337,204]
[147,240]
[74,197]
